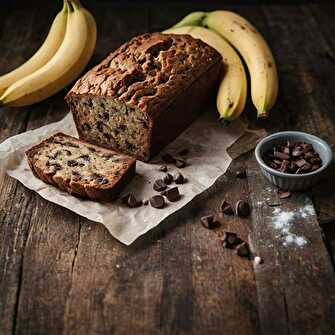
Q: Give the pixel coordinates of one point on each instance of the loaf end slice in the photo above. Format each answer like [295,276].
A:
[79,168]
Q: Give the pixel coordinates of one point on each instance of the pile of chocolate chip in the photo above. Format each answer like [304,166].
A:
[230,240]
[162,185]
[294,158]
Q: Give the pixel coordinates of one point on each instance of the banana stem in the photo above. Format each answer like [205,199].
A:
[76,4]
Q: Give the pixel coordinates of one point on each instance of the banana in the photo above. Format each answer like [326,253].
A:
[192,19]
[232,93]
[256,53]
[49,47]
[68,62]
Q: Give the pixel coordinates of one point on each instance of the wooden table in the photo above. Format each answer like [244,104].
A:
[60,273]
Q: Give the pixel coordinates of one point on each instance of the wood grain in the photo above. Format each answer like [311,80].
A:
[296,283]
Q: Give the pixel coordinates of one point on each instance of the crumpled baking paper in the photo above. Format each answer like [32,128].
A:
[206,140]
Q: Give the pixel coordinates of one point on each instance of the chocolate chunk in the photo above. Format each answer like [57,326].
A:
[163,168]
[179,178]
[284,166]
[242,250]
[242,208]
[172,194]
[258,260]
[145,202]
[130,200]
[159,185]
[55,166]
[230,240]
[209,222]
[99,126]
[102,180]
[105,116]
[300,163]
[85,158]
[295,158]
[296,152]
[91,149]
[241,174]
[183,152]
[281,155]
[180,163]
[72,163]
[157,201]
[226,208]
[284,194]
[168,179]
[167,158]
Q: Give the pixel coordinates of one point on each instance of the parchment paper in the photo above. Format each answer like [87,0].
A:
[208,159]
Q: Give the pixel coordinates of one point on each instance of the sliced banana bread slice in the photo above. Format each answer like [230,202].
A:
[80,168]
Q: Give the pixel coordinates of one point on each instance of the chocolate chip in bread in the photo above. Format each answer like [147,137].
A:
[80,168]
[144,94]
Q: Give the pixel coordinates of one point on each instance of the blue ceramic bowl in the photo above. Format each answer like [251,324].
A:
[287,181]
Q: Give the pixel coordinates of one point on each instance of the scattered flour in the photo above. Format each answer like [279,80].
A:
[283,220]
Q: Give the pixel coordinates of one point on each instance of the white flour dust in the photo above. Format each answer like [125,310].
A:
[283,220]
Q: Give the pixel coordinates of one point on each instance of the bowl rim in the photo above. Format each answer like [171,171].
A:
[277,135]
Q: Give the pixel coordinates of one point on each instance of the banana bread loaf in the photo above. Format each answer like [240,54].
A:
[143,95]
[80,168]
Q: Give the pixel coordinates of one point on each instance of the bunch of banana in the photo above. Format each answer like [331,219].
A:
[245,38]
[61,58]
[232,91]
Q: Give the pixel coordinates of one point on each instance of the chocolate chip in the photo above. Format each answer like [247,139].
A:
[209,222]
[172,194]
[230,240]
[145,202]
[56,166]
[258,260]
[159,185]
[180,163]
[68,152]
[226,208]
[91,149]
[242,208]
[183,152]
[105,116]
[179,178]
[85,158]
[102,180]
[241,174]
[163,168]
[284,194]
[72,163]
[130,200]
[242,250]
[157,201]
[167,158]
[168,179]
[99,126]
[69,144]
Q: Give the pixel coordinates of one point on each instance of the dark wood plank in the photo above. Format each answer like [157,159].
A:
[296,283]
[307,78]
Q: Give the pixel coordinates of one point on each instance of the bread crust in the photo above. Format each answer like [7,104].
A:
[77,188]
